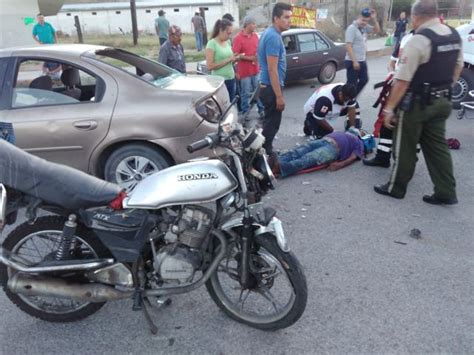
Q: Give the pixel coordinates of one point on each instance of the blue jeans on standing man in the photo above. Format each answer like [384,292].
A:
[248,85]
[310,154]
[231,88]
[357,77]
[198,37]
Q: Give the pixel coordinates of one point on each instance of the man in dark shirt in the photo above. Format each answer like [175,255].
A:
[171,52]
[400,28]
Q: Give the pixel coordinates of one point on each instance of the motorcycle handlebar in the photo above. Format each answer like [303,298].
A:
[200,144]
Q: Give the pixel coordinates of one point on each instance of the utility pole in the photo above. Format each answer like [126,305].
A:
[77,24]
[133,11]
[346,10]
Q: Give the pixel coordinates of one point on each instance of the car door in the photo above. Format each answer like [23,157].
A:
[309,59]
[60,122]
[292,57]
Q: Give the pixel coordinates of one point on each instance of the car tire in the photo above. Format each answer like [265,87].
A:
[327,73]
[461,90]
[148,159]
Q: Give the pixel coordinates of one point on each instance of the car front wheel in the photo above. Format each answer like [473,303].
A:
[132,163]
[462,87]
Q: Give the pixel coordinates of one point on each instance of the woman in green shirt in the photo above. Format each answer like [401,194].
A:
[219,55]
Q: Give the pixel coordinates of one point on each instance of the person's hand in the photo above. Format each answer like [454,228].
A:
[389,119]
[233,59]
[280,103]
[356,65]
[333,166]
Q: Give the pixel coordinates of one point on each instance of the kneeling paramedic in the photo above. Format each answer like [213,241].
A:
[326,104]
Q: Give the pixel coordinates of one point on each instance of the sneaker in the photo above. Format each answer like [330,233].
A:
[376,161]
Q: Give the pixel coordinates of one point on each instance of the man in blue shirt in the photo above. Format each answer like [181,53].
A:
[162,27]
[272,60]
[43,32]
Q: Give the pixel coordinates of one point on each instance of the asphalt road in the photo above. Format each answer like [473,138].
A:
[372,288]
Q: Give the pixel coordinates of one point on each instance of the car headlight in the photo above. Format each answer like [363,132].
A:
[209,110]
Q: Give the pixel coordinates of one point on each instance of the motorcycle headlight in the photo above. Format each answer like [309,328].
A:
[254,140]
[209,110]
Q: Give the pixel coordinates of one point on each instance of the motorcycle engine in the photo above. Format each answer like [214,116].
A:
[181,257]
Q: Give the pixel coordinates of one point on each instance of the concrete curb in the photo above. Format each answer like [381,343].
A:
[380,52]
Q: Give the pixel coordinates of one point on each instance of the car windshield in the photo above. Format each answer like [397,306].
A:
[153,72]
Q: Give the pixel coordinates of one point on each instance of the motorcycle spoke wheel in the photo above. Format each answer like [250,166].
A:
[35,243]
[42,246]
[271,299]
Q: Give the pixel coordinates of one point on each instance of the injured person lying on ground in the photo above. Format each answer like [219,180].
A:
[335,150]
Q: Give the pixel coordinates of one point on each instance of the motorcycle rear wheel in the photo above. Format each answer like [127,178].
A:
[268,312]
[34,242]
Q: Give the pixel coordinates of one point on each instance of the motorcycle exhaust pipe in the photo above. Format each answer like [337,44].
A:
[55,287]
[9,260]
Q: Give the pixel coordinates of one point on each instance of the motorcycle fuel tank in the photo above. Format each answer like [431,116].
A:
[188,183]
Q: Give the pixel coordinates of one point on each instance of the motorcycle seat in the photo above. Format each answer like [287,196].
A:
[53,183]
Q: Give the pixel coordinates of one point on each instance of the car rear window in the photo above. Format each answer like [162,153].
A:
[153,72]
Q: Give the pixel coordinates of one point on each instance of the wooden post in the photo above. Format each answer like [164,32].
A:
[77,24]
[346,11]
[204,34]
[133,11]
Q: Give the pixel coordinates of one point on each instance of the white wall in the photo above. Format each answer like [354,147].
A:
[109,22]
[13,31]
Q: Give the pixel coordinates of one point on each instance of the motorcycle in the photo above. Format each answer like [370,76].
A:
[194,224]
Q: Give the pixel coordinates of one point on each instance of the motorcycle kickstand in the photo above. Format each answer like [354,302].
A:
[146,313]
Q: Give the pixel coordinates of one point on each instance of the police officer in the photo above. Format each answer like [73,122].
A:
[326,104]
[430,63]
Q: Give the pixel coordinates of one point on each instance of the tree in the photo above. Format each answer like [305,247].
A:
[399,6]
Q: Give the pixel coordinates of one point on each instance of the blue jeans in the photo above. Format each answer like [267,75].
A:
[230,85]
[248,86]
[310,154]
[357,77]
[198,37]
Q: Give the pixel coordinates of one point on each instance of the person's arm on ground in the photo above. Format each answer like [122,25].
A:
[336,165]
[272,62]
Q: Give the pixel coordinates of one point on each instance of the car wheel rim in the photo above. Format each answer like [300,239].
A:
[131,170]
[460,90]
[328,72]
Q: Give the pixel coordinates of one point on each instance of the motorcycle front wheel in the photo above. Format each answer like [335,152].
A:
[278,293]
[38,242]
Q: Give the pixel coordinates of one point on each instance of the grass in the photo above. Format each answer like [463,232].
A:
[148,45]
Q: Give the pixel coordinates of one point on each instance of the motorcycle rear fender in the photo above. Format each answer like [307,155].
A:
[274,228]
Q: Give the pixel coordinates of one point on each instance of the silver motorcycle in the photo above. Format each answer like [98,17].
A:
[194,224]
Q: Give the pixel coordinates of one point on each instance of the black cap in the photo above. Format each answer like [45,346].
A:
[161,12]
[365,12]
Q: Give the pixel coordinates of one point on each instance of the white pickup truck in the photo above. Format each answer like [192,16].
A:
[466,81]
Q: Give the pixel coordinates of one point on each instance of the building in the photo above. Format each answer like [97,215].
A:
[115,18]
[14,30]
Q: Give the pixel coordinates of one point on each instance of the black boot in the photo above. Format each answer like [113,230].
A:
[378,161]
